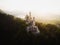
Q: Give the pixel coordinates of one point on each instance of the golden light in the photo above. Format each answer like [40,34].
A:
[41,9]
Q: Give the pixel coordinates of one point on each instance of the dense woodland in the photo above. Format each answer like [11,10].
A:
[13,31]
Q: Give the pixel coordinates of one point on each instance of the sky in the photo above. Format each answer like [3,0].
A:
[41,9]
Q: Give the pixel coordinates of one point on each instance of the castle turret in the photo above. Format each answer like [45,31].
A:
[33,20]
[29,13]
[30,16]
[27,19]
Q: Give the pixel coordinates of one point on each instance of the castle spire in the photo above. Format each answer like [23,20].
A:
[30,13]
[30,16]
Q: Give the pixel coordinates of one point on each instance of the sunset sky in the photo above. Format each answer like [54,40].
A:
[41,9]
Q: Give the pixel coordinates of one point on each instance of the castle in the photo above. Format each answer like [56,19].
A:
[29,19]
[31,24]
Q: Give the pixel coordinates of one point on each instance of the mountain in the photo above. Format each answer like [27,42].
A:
[13,31]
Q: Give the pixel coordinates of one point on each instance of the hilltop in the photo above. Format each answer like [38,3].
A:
[13,31]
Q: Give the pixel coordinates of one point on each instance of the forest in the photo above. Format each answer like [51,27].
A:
[13,31]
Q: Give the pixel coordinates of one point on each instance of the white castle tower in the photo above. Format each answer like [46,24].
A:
[29,19]
[30,16]
[33,21]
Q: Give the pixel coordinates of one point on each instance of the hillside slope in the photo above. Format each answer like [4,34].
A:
[13,31]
